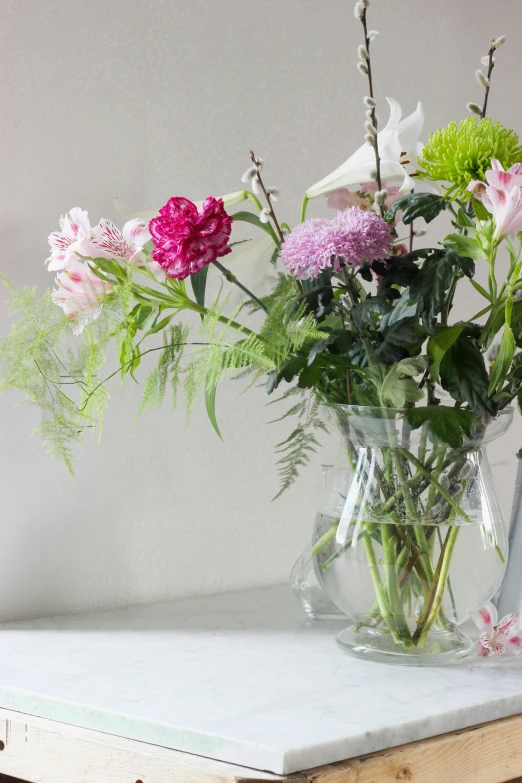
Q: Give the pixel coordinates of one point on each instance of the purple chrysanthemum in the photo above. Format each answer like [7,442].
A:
[351,238]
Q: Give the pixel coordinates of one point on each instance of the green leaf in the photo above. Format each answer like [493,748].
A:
[445,425]
[402,338]
[286,372]
[416,205]
[396,272]
[495,322]
[395,386]
[429,287]
[210,404]
[404,307]
[516,322]
[480,210]
[463,374]
[464,220]
[110,267]
[481,290]
[160,325]
[439,343]
[369,312]
[467,246]
[431,284]
[248,217]
[503,361]
[199,284]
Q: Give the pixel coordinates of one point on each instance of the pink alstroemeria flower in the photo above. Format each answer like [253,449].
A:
[498,178]
[80,294]
[77,240]
[502,197]
[497,638]
[109,242]
[75,229]
[506,208]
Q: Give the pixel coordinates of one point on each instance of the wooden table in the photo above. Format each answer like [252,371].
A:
[239,688]
[44,751]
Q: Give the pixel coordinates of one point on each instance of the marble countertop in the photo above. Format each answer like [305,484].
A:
[239,677]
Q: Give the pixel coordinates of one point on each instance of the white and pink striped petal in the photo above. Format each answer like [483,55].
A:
[75,228]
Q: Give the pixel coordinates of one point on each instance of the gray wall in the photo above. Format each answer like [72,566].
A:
[145,99]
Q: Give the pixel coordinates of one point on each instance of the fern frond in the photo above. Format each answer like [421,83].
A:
[297,449]
[168,369]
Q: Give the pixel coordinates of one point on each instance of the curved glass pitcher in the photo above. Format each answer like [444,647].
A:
[409,539]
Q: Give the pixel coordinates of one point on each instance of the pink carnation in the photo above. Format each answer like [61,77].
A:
[186,238]
[351,238]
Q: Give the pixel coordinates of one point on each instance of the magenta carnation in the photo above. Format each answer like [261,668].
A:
[351,238]
[186,238]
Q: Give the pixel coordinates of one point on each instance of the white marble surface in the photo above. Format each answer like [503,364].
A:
[239,677]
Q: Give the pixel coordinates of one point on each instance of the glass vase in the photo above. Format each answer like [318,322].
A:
[305,578]
[411,540]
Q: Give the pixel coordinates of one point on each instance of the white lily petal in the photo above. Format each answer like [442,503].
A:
[229,199]
[397,137]
[410,129]
[134,214]
[395,113]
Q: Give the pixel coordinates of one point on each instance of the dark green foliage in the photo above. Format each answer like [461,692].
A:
[417,205]
[444,425]
[431,285]
[463,374]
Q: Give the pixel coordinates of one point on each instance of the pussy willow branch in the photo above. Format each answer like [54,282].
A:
[491,65]
[268,198]
[374,114]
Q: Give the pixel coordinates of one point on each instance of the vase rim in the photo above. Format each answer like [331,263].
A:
[509,409]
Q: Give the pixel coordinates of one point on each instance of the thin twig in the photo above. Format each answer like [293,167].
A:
[491,65]
[268,198]
[412,231]
[373,112]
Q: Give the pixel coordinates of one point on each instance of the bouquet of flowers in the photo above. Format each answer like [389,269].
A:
[358,320]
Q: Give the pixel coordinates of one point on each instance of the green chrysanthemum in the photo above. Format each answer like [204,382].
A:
[459,155]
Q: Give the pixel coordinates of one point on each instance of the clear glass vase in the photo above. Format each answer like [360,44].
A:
[306,578]
[409,539]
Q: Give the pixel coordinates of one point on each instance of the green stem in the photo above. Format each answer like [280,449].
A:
[392,583]
[221,318]
[439,583]
[304,206]
[432,494]
[324,540]
[254,199]
[230,276]
[450,589]
[492,281]
[410,483]
[420,536]
[446,495]
[380,590]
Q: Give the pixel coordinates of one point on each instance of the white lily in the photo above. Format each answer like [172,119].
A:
[147,214]
[399,147]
